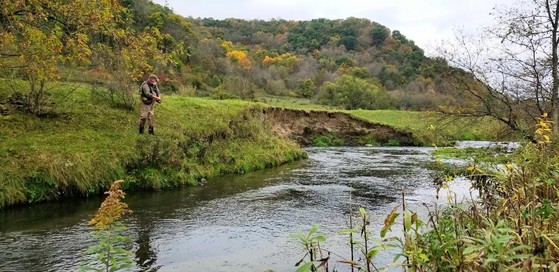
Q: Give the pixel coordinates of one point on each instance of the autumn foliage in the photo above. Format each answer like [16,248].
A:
[240,57]
[38,35]
[111,209]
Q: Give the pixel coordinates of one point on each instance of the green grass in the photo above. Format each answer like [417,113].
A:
[492,155]
[431,128]
[92,142]
[328,140]
[292,103]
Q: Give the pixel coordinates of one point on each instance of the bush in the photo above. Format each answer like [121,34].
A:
[393,142]
[328,140]
[220,93]
[321,141]
[353,93]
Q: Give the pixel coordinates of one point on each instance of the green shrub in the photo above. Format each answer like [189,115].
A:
[321,141]
[393,142]
[338,142]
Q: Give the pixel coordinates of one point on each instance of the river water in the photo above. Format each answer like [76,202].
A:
[232,223]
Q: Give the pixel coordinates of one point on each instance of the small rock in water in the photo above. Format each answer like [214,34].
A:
[202,181]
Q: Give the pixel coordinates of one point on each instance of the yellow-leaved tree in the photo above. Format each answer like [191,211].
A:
[241,58]
[36,36]
[39,36]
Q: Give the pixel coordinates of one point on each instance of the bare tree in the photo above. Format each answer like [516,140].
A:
[512,66]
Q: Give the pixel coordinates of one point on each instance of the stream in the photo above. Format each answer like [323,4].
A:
[235,222]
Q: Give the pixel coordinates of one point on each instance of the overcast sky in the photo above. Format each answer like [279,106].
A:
[424,21]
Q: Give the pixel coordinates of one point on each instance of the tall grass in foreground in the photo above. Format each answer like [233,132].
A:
[87,142]
[514,225]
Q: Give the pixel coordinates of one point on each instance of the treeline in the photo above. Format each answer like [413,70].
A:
[347,63]
[351,63]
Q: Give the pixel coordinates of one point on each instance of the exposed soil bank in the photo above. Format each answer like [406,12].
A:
[304,126]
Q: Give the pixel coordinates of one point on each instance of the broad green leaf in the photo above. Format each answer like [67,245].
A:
[313,229]
[363,213]
[471,249]
[389,221]
[407,220]
[348,231]
[373,252]
[304,268]
[489,260]
[521,256]
[320,238]
[520,247]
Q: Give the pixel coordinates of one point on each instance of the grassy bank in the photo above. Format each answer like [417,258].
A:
[431,128]
[428,128]
[89,141]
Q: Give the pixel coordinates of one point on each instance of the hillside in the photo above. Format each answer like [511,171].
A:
[351,63]
[313,59]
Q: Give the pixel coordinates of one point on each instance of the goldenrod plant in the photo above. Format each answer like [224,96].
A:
[109,253]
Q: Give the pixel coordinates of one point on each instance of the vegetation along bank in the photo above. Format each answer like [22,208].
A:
[89,143]
[88,140]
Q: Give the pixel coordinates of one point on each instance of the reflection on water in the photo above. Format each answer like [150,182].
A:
[233,223]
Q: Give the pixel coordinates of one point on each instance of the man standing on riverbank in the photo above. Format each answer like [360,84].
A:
[149,94]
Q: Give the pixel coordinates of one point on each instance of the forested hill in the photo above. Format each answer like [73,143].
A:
[346,63]
[321,59]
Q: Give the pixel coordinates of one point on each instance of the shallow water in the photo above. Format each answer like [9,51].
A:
[233,223]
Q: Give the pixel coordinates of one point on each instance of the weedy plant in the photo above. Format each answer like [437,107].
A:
[512,226]
[109,253]
[316,255]
[362,240]
[407,253]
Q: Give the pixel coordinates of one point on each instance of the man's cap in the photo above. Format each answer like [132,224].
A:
[154,77]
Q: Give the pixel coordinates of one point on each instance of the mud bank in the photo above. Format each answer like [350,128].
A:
[304,126]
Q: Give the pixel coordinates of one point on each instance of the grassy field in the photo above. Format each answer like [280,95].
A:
[292,102]
[90,142]
[432,128]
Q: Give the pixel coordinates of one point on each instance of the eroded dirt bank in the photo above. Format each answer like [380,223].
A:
[304,126]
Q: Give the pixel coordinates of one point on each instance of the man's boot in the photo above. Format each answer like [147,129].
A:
[150,130]
[142,125]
